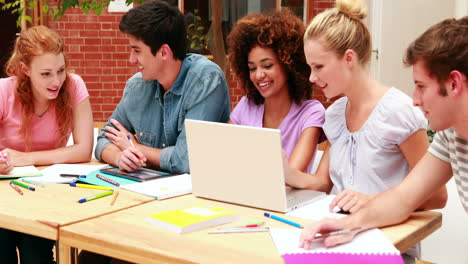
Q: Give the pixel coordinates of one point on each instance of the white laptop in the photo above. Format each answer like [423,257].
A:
[241,165]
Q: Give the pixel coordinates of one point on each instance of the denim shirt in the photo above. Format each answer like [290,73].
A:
[157,117]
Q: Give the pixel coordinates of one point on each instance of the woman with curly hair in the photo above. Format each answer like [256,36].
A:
[40,106]
[267,54]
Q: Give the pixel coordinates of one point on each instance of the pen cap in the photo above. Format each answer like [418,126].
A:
[72,184]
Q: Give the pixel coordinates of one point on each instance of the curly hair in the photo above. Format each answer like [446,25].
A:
[33,42]
[283,32]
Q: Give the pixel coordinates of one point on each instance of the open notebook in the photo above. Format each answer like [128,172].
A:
[367,247]
[163,188]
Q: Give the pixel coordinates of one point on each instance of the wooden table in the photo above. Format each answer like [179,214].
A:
[126,235]
[44,211]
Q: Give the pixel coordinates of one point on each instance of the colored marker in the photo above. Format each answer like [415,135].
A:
[283,220]
[72,175]
[95,196]
[133,145]
[23,185]
[107,180]
[33,182]
[89,186]
[16,188]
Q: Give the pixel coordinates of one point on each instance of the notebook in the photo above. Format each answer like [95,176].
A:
[192,218]
[368,247]
[24,171]
[163,188]
[241,165]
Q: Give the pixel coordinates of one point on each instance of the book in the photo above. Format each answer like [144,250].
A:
[19,172]
[370,246]
[142,174]
[163,188]
[192,218]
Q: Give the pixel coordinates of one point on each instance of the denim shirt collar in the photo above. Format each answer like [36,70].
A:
[178,87]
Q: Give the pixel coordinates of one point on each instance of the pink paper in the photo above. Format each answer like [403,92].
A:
[331,258]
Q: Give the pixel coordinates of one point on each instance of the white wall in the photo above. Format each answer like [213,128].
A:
[449,244]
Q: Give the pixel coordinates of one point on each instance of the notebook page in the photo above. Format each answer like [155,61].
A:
[163,188]
[52,173]
[317,210]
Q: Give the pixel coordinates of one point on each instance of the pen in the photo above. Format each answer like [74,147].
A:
[16,188]
[334,233]
[96,196]
[33,182]
[283,220]
[107,180]
[89,186]
[23,185]
[133,145]
[72,175]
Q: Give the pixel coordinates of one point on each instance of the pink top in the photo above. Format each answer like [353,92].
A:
[310,113]
[45,129]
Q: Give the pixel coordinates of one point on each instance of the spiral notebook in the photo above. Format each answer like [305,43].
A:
[370,246]
[163,188]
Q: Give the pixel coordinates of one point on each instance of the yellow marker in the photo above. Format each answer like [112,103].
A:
[90,186]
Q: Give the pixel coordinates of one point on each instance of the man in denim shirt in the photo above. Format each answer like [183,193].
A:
[171,87]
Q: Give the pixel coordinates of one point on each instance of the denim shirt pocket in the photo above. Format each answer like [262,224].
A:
[146,138]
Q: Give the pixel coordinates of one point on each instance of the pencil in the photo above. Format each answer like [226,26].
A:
[133,145]
[116,193]
[16,188]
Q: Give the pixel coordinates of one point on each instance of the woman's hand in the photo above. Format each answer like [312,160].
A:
[5,165]
[350,201]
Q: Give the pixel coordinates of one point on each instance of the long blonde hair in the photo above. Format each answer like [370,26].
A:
[340,28]
[32,42]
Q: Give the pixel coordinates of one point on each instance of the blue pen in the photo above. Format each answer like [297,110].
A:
[283,220]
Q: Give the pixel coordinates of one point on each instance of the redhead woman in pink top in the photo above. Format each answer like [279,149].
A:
[41,105]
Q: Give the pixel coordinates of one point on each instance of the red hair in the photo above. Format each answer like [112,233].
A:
[32,42]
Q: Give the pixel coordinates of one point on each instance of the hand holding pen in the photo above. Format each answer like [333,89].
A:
[5,165]
[331,231]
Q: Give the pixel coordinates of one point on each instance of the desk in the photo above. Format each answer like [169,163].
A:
[126,235]
[42,212]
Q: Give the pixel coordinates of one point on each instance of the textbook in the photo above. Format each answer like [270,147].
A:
[163,188]
[192,218]
[367,247]
[25,171]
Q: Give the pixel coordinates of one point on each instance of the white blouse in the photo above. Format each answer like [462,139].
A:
[370,160]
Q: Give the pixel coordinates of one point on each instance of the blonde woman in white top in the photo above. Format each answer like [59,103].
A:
[376,136]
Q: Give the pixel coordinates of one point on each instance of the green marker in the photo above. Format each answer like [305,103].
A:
[95,196]
[23,185]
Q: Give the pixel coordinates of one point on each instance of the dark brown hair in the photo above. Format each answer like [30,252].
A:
[442,48]
[283,32]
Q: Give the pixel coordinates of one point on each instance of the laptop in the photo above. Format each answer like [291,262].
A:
[241,165]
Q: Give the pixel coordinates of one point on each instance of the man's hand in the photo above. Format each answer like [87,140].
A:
[118,136]
[350,201]
[130,159]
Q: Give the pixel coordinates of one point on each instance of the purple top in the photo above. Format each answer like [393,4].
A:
[310,113]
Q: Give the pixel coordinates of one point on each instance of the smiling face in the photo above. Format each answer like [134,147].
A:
[436,107]
[267,73]
[328,72]
[47,74]
[140,55]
